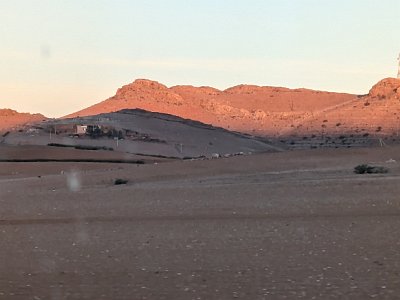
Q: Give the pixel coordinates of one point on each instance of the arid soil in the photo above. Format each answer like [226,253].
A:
[29,153]
[289,225]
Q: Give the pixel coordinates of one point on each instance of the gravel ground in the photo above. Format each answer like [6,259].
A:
[292,225]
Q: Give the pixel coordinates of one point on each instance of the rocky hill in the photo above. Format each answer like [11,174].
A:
[245,108]
[299,116]
[142,132]
[10,119]
[377,113]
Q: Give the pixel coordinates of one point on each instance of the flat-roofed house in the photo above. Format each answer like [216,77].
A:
[81,129]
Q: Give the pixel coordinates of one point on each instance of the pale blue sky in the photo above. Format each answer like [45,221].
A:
[57,56]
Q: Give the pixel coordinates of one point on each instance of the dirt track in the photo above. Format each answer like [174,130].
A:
[293,225]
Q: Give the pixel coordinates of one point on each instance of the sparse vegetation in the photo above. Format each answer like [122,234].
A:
[94,131]
[113,133]
[60,145]
[81,147]
[120,181]
[77,160]
[367,169]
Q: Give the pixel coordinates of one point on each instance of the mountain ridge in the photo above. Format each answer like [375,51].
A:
[256,110]
[245,108]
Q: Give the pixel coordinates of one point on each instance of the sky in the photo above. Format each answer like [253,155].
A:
[59,56]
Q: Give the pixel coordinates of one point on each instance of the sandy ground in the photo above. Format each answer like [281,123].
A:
[290,225]
[32,152]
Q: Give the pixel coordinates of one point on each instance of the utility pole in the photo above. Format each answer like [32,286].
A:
[398,72]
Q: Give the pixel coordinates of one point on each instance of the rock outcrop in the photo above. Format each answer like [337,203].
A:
[386,89]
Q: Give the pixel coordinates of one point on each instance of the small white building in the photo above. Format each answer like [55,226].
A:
[81,129]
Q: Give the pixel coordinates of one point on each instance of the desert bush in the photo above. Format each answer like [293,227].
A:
[94,131]
[120,181]
[84,147]
[59,145]
[367,169]
[81,147]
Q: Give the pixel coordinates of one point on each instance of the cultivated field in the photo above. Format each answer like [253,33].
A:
[289,225]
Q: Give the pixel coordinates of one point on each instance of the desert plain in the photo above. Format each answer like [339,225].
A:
[286,225]
[126,200]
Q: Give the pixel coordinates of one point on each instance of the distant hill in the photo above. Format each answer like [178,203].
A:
[142,132]
[244,108]
[10,119]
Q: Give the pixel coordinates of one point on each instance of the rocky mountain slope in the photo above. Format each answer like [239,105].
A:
[245,108]
[271,111]
[377,113]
